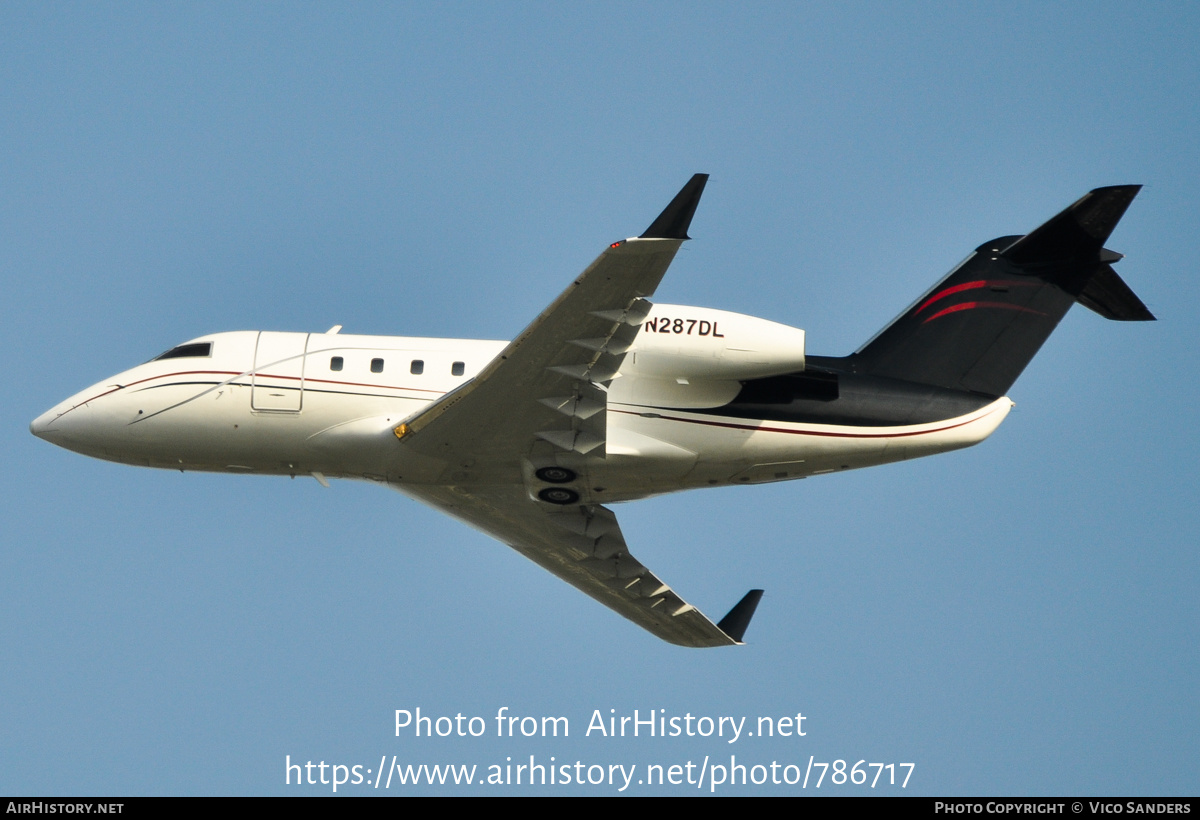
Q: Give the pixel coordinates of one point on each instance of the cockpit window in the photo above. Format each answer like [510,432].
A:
[196,350]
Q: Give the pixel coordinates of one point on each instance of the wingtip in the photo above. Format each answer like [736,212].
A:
[737,620]
[675,219]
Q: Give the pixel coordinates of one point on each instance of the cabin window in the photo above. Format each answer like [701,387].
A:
[376,365]
[196,350]
[417,368]
[457,369]
[335,363]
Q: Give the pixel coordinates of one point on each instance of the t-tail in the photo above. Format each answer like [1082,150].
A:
[978,328]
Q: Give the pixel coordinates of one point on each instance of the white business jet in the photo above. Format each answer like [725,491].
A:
[606,397]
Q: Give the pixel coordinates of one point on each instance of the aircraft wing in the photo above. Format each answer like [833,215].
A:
[542,402]
[583,545]
[549,383]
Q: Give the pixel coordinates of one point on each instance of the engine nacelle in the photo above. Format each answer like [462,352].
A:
[679,342]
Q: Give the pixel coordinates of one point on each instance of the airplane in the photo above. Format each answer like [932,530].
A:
[606,397]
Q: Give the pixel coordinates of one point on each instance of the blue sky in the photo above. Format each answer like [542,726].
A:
[1017,618]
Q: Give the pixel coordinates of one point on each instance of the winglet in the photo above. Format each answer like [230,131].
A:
[673,222]
[735,623]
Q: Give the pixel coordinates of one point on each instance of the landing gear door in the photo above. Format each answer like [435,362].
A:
[279,372]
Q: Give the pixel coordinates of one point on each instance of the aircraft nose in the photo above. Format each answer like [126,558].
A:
[41,426]
[76,424]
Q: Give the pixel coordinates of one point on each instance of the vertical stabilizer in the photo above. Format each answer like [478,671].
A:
[978,328]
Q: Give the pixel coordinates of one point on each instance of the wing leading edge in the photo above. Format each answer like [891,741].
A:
[541,405]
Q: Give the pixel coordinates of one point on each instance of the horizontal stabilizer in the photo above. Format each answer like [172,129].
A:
[675,219]
[1107,294]
[1079,232]
[734,624]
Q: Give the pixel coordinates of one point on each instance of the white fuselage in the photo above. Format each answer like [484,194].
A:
[326,404]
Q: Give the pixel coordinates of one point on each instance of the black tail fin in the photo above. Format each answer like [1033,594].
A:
[978,328]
